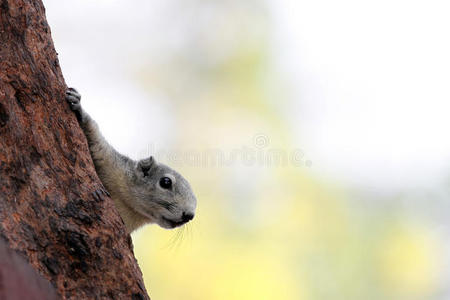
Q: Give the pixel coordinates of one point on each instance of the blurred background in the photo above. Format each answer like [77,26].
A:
[314,133]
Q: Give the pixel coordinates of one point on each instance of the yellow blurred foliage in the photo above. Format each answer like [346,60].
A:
[408,257]
[268,231]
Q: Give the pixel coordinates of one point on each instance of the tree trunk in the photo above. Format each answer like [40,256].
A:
[54,210]
[19,281]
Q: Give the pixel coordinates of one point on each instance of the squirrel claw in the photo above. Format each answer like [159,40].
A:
[73,97]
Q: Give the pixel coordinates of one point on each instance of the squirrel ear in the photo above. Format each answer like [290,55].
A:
[145,165]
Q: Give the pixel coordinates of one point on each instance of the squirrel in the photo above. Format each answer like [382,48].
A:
[143,191]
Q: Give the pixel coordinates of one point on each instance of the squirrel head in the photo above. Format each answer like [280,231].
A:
[161,194]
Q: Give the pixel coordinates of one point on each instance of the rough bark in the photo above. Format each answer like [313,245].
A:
[53,209]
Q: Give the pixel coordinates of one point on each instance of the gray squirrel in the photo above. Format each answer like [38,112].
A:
[143,191]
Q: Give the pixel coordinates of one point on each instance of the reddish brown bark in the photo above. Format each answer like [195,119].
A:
[53,209]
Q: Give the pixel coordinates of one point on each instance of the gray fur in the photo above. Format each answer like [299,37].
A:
[134,185]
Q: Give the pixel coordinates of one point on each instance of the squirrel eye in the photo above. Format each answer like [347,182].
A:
[165,183]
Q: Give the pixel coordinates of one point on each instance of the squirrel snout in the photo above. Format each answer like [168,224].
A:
[186,217]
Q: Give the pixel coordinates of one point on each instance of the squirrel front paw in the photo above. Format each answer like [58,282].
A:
[73,97]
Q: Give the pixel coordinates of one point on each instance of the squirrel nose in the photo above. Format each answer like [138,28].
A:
[186,217]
